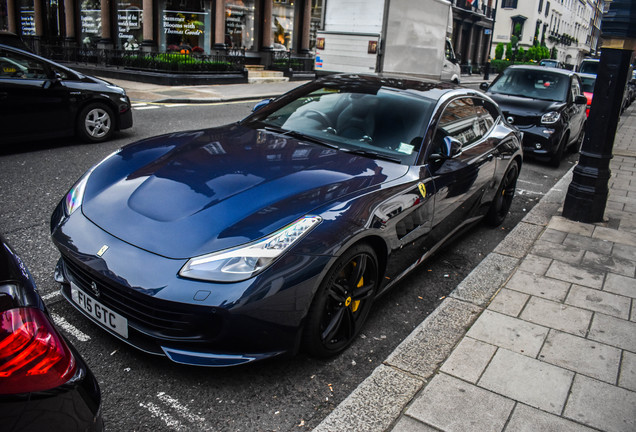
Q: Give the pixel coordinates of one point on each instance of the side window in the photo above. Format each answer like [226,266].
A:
[487,114]
[18,66]
[459,121]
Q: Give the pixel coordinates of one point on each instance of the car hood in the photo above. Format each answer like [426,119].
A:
[524,106]
[186,194]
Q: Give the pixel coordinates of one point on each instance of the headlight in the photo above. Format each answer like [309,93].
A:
[550,118]
[243,262]
[75,196]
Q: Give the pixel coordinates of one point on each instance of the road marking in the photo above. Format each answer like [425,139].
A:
[149,107]
[183,410]
[527,192]
[529,182]
[49,296]
[72,330]
[176,105]
[170,421]
[138,104]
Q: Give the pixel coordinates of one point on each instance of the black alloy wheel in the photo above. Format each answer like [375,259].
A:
[342,303]
[95,123]
[503,199]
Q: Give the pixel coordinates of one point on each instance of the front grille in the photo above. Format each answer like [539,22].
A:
[523,120]
[158,318]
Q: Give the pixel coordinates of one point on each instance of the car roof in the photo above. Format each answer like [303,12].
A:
[421,86]
[586,75]
[542,69]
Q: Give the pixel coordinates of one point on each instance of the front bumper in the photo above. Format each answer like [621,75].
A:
[540,141]
[189,321]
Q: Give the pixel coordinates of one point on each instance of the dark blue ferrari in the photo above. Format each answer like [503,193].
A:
[222,246]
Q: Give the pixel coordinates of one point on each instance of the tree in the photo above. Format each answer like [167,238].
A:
[499,50]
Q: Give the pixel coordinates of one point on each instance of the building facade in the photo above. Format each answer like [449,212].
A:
[205,26]
[473,22]
[569,28]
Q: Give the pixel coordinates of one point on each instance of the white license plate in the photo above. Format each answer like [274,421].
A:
[103,315]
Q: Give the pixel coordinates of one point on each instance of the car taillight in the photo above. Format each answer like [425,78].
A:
[33,356]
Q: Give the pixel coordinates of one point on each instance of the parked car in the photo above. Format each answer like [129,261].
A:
[587,85]
[589,66]
[12,39]
[552,63]
[42,99]
[44,383]
[223,246]
[546,104]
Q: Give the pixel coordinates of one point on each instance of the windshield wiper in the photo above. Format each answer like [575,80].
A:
[362,152]
[300,136]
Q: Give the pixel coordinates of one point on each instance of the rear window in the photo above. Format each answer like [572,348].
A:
[590,67]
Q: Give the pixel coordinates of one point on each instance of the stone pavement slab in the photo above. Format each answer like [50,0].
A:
[558,316]
[508,332]
[528,419]
[469,360]
[453,405]
[528,380]
[564,350]
[600,405]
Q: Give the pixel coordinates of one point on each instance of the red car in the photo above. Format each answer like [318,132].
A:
[587,82]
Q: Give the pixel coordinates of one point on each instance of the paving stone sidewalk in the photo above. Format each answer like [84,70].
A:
[541,336]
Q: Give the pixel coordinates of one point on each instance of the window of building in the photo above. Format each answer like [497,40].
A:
[283,24]
[90,22]
[129,24]
[547,8]
[509,4]
[185,26]
[540,5]
[239,24]
[27,17]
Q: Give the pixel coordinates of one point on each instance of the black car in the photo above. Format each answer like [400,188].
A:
[546,104]
[227,245]
[42,99]
[44,383]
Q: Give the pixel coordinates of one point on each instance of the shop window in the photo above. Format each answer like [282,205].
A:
[185,26]
[129,24]
[283,24]
[239,24]
[317,10]
[27,17]
[90,22]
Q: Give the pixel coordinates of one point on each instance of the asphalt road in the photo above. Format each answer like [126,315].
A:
[142,392]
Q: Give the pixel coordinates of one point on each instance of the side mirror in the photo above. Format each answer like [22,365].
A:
[261,104]
[483,86]
[451,147]
[580,100]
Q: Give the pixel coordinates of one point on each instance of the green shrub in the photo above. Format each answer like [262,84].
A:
[499,50]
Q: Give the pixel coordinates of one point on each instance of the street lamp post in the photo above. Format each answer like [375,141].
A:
[587,194]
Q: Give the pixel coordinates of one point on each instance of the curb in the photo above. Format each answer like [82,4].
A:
[379,401]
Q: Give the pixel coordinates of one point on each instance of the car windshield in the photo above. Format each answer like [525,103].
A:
[377,121]
[588,84]
[548,63]
[590,67]
[532,83]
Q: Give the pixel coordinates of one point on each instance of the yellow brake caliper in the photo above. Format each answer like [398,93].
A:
[356,303]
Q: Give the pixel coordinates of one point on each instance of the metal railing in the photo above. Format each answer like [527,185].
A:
[286,61]
[173,62]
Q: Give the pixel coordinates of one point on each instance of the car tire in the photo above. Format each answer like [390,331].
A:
[555,160]
[342,303]
[503,199]
[95,123]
